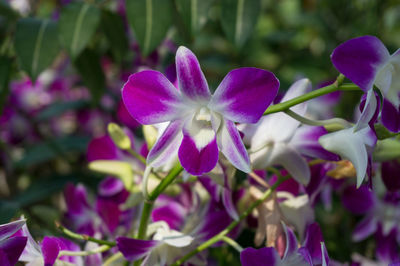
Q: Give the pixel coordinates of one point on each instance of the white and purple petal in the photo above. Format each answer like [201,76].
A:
[360,59]
[172,213]
[351,145]
[313,242]
[7,230]
[244,94]
[191,80]
[365,228]
[151,98]
[305,140]
[231,145]
[134,249]
[167,144]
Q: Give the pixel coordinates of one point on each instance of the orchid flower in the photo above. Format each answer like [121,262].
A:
[166,246]
[355,146]
[366,61]
[200,124]
[277,139]
[11,246]
[47,252]
[381,218]
[312,253]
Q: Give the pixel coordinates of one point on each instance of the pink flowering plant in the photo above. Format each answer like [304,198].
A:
[146,133]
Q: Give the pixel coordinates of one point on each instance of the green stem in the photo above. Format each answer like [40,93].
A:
[100,249]
[74,235]
[311,122]
[232,243]
[137,155]
[232,225]
[113,258]
[337,85]
[148,204]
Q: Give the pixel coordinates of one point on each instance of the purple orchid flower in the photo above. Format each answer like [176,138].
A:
[278,139]
[381,217]
[366,61]
[200,124]
[47,252]
[11,245]
[312,253]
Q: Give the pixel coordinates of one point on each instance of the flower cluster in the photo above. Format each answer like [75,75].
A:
[211,166]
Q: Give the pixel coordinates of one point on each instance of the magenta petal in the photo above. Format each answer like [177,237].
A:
[125,118]
[13,248]
[390,116]
[191,80]
[4,258]
[195,161]
[359,59]
[167,144]
[110,213]
[231,145]
[390,175]
[173,214]
[50,250]
[7,230]
[358,201]
[110,186]
[102,148]
[151,98]
[244,94]
[134,249]
[313,243]
[259,257]
[76,198]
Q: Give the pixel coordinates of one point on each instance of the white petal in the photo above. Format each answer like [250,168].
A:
[350,145]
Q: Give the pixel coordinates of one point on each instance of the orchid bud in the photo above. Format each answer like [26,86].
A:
[120,139]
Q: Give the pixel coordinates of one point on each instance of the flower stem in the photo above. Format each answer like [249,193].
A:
[148,204]
[337,85]
[232,243]
[233,224]
[74,235]
[304,120]
[100,249]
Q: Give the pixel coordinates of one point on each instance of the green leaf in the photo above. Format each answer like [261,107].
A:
[88,65]
[50,149]
[238,18]
[36,45]
[150,20]
[193,13]
[78,22]
[7,12]
[5,71]
[113,27]
[58,108]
